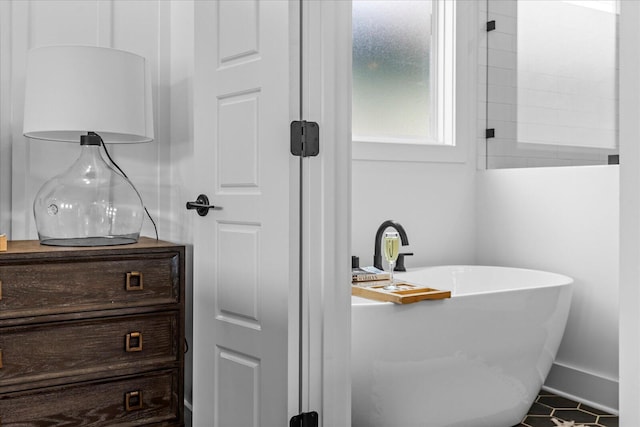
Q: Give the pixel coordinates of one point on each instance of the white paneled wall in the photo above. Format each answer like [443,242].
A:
[137,26]
[5,118]
[499,84]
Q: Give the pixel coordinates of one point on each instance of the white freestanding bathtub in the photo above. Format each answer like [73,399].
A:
[477,359]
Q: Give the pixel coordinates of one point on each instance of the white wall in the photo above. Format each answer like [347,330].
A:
[433,201]
[563,220]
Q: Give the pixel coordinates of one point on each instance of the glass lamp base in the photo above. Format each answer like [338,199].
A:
[89,241]
[90,204]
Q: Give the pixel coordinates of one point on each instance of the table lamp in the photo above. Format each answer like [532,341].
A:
[89,95]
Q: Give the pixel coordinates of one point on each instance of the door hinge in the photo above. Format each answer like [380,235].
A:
[305,138]
[306,419]
[489,133]
[491,25]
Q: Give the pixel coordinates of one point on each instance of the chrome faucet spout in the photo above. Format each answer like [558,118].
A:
[377,256]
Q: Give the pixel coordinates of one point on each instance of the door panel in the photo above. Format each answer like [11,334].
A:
[238,139]
[239,276]
[242,252]
[242,372]
[238,23]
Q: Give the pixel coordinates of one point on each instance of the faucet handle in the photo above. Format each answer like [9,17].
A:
[400,262]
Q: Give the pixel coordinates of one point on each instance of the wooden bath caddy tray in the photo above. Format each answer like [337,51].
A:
[407,293]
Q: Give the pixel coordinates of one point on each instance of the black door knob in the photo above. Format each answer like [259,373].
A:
[201,205]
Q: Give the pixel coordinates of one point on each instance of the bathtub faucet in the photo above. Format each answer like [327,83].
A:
[377,256]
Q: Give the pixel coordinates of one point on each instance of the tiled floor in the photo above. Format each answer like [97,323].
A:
[548,407]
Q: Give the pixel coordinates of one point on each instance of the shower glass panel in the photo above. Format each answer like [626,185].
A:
[552,83]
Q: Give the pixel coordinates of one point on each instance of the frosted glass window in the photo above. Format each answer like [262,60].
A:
[393,71]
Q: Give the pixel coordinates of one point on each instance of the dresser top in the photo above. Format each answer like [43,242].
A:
[15,247]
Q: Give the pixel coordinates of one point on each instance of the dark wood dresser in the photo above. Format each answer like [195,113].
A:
[92,336]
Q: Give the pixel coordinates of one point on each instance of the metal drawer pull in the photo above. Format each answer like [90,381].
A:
[133,401]
[135,281]
[134,342]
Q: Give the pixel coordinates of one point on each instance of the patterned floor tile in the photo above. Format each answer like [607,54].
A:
[549,406]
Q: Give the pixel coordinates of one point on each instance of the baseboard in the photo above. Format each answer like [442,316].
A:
[591,389]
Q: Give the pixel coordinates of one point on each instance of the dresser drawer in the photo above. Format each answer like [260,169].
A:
[58,350]
[38,287]
[131,401]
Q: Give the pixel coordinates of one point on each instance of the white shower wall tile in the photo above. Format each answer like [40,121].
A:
[503,41]
[504,23]
[504,8]
[502,77]
[502,58]
[501,111]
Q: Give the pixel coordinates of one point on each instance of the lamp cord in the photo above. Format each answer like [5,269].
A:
[104,147]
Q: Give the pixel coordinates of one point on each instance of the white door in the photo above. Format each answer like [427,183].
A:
[245,254]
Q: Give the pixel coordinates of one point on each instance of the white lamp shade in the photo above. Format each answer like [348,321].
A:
[72,90]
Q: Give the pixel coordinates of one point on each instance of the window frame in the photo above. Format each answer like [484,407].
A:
[458,74]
